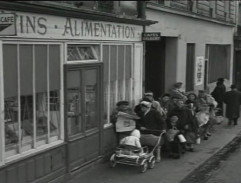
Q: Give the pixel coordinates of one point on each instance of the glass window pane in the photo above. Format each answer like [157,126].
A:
[91,103]
[121,62]
[41,118]
[54,93]
[26,69]
[74,102]
[40,68]
[11,126]
[128,62]
[54,67]
[78,52]
[26,92]
[113,62]
[27,122]
[10,70]
[54,114]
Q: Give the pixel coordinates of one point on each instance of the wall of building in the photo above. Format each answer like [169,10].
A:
[187,29]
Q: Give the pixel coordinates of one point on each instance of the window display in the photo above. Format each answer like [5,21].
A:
[32,99]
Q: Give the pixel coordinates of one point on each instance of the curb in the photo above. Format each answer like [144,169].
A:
[202,173]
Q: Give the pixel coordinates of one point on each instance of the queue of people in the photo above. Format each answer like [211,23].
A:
[185,118]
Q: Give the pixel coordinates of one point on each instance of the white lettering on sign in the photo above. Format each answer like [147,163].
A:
[40,26]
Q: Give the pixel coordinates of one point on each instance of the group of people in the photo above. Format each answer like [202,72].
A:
[185,118]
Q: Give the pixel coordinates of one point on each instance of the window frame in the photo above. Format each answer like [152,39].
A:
[82,61]
[108,123]
[35,149]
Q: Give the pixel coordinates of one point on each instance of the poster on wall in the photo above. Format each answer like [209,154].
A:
[199,70]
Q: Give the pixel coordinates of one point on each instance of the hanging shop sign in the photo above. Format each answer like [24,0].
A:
[199,71]
[7,24]
[151,36]
[31,25]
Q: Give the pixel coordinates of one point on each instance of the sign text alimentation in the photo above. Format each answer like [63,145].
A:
[75,27]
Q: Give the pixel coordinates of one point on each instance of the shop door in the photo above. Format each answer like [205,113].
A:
[83,123]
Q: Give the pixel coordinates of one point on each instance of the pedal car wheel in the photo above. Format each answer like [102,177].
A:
[152,162]
[112,161]
[144,166]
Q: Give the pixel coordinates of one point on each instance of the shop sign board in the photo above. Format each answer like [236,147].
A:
[7,24]
[199,70]
[30,25]
[151,36]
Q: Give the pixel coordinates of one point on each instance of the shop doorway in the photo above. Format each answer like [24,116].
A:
[155,67]
[82,113]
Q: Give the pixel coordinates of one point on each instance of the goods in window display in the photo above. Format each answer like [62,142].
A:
[10,136]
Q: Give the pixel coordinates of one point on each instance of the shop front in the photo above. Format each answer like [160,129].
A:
[60,80]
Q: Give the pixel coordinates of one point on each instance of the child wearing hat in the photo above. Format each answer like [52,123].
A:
[133,139]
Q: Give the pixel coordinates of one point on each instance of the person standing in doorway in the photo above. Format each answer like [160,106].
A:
[232,99]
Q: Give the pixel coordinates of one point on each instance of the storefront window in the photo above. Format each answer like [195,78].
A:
[117,76]
[31,96]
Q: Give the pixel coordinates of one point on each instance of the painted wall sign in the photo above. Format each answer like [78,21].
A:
[199,71]
[7,24]
[151,36]
[47,26]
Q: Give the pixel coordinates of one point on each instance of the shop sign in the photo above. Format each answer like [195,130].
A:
[151,36]
[30,25]
[199,71]
[7,24]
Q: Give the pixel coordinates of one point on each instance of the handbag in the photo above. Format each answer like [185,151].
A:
[171,133]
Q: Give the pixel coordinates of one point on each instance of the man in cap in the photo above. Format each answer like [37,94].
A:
[121,106]
[232,100]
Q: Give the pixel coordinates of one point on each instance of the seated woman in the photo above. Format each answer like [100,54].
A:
[174,143]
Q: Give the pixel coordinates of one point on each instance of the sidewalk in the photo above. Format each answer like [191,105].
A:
[168,170]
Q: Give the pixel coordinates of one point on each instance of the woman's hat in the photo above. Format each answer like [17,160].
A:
[178,84]
[148,93]
[146,104]
[123,102]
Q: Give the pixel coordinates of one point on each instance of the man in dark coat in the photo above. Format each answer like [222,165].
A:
[232,100]
[218,94]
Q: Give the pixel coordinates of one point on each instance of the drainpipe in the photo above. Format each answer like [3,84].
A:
[141,13]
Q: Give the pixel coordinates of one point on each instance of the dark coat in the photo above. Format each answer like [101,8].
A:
[232,99]
[153,121]
[218,94]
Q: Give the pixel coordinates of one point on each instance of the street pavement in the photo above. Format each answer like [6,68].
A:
[168,170]
[229,170]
